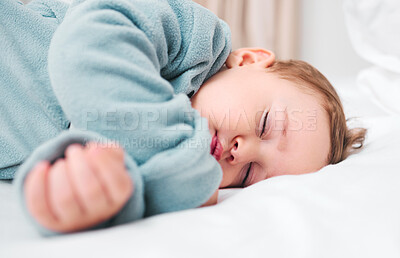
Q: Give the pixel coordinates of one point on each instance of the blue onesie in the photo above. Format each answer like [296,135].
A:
[116,70]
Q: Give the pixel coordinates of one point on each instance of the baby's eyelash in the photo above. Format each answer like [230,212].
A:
[263,126]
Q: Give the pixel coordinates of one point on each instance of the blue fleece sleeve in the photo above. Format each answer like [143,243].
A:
[120,68]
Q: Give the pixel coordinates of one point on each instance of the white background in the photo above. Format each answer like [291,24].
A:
[324,40]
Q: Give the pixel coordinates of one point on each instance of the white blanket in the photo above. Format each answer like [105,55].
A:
[351,209]
[374,30]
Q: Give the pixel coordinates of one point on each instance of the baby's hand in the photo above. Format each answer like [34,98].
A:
[89,186]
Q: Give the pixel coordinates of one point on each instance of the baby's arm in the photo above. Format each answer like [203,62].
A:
[114,88]
[87,187]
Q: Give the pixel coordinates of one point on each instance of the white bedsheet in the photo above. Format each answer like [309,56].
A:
[351,209]
[374,31]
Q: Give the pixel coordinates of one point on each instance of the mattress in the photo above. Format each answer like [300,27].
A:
[351,209]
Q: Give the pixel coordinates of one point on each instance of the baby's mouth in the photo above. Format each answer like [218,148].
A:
[216,148]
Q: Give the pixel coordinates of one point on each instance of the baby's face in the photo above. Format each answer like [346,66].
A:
[265,126]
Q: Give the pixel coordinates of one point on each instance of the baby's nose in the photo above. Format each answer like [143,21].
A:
[234,154]
[240,152]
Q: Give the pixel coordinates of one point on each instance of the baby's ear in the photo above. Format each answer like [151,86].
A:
[250,56]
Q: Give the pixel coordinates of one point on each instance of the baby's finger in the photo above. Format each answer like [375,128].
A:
[85,182]
[36,195]
[113,149]
[111,170]
[61,196]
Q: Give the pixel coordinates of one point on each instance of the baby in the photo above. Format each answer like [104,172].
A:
[113,61]
[276,118]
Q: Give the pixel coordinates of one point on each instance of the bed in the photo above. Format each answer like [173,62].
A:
[351,209]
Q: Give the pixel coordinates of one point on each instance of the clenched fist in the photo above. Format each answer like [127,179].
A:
[89,186]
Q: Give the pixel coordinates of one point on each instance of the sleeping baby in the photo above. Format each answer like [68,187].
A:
[143,109]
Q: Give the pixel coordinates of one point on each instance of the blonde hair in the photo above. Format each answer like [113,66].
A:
[344,141]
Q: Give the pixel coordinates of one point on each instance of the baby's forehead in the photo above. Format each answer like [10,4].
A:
[304,91]
[294,87]
[300,83]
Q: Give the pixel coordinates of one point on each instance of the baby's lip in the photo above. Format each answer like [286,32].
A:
[216,147]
